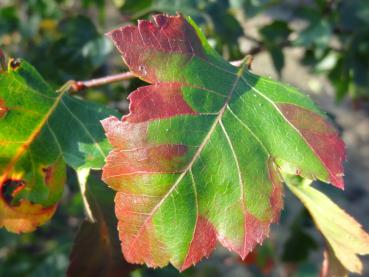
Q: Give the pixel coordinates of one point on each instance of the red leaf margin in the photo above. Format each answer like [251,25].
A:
[165,94]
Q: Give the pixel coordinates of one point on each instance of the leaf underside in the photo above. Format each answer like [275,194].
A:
[96,250]
[198,157]
[41,132]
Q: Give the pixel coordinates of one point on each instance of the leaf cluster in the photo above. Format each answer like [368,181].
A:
[64,40]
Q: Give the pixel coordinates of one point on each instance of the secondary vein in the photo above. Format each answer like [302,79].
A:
[197,153]
[31,138]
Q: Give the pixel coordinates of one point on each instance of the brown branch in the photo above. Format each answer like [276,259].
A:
[81,85]
[256,50]
[253,39]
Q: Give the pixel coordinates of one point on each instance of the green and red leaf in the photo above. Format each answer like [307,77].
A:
[32,170]
[40,132]
[198,157]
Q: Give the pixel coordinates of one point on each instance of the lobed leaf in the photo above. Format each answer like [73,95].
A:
[345,236]
[198,157]
[41,131]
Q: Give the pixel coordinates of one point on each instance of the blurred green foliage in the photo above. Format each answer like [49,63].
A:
[67,35]
[64,40]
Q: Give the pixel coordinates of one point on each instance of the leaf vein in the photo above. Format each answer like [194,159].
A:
[197,153]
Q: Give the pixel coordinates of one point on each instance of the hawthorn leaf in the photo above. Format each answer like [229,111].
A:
[96,250]
[40,132]
[198,157]
[274,36]
[344,234]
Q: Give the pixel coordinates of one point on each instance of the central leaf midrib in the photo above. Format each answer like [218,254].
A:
[197,153]
[25,146]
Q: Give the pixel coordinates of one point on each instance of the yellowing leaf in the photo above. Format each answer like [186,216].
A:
[197,159]
[343,233]
[40,132]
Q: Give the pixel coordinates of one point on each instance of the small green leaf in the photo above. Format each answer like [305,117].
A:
[275,35]
[276,32]
[41,130]
[318,33]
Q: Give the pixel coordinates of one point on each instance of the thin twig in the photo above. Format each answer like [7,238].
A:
[77,86]
[253,39]
[81,85]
